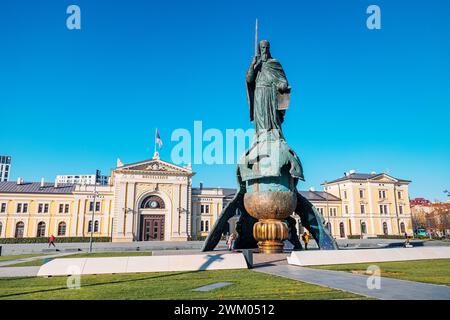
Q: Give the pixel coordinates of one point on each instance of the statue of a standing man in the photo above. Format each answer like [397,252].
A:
[266,80]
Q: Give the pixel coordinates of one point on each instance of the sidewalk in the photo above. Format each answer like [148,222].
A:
[390,289]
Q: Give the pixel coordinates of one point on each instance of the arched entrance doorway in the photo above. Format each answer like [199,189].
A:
[152,222]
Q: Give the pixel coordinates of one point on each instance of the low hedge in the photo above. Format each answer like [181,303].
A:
[57,240]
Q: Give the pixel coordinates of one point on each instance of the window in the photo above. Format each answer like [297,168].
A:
[402,227]
[399,193]
[1,227]
[90,226]
[333,211]
[400,209]
[62,229]
[345,194]
[363,209]
[66,208]
[97,206]
[383,209]
[204,208]
[385,228]
[40,230]
[43,208]
[20,226]
[363,228]
[22,207]
[346,209]
[61,208]
[152,202]
[91,206]
[3,208]
[382,194]
[202,226]
[361,193]
[342,230]
[320,210]
[206,225]
[96,226]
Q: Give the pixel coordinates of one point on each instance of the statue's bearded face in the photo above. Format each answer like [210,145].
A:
[265,50]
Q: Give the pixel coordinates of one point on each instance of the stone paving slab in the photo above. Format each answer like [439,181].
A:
[390,289]
[9,272]
[212,286]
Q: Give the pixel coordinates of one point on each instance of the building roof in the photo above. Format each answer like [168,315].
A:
[35,187]
[364,176]
[319,196]
[309,195]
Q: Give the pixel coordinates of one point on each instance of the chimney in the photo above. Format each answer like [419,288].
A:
[19,181]
[56,183]
[312,189]
[352,171]
[201,185]
[42,182]
[373,172]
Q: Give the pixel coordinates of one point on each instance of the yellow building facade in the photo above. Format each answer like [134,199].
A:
[371,205]
[155,200]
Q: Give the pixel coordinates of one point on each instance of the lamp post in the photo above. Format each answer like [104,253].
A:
[97,174]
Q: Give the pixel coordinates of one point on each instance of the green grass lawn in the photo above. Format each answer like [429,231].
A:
[20,256]
[431,271]
[40,262]
[247,284]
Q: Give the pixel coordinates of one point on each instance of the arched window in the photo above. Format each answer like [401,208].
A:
[96,226]
[1,229]
[342,230]
[202,226]
[206,225]
[20,226]
[328,226]
[402,227]
[62,229]
[40,229]
[385,229]
[152,202]
[363,228]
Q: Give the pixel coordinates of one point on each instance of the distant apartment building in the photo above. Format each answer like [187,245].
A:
[88,179]
[5,165]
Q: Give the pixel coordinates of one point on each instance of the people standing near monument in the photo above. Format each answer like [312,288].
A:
[305,238]
[230,241]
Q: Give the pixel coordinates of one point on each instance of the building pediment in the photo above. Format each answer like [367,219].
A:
[154,166]
[384,178]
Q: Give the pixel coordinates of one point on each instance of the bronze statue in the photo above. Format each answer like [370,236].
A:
[269,171]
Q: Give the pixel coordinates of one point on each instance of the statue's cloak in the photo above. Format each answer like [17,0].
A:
[276,74]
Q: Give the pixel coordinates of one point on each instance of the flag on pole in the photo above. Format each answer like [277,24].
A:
[158,139]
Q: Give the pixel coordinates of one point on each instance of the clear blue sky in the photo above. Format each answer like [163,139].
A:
[74,101]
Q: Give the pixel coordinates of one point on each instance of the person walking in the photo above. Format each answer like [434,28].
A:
[305,238]
[231,241]
[51,241]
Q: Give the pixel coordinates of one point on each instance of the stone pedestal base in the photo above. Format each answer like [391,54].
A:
[270,234]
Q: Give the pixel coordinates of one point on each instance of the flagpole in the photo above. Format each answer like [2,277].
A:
[156,130]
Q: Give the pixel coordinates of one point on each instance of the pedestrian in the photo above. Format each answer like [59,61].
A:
[231,241]
[406,239]
[51,241]
[305,238]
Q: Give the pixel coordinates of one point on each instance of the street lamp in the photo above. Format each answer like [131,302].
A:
[97,175]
